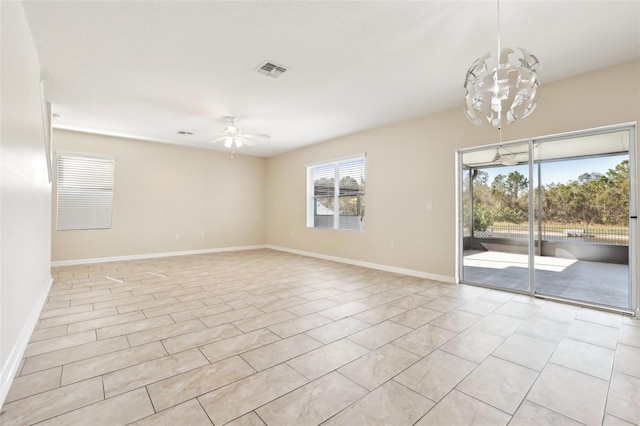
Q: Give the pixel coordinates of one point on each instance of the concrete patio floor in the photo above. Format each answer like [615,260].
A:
[596,283]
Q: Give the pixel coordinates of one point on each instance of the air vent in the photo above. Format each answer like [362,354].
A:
[185,133]
[271,69]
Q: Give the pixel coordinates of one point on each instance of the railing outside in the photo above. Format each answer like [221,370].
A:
[574,233]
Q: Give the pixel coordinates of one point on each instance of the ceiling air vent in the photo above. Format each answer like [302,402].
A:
[185,133]
[271,69]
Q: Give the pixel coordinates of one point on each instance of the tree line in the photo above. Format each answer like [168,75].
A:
[593,198]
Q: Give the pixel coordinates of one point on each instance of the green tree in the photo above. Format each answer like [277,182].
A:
[592,198]
[499,185]
[516,185]
[614,199]
[556,203]
[482,218]
[509,202]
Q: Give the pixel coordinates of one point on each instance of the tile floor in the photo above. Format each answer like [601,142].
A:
[264,337]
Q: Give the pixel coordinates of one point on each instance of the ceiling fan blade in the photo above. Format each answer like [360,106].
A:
[255,135]
[504,160]
[216,140]
[486,163]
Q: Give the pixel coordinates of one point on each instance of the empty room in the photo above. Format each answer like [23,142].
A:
[319,212]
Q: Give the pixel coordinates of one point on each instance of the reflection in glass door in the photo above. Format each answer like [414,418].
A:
[551,217]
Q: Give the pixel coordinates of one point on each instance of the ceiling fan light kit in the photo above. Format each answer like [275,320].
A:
[232,136]
[503,92]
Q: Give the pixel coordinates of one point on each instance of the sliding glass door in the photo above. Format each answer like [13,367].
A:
[552,217]
[496,191]
[584,205]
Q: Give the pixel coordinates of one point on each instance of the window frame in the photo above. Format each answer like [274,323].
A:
[311,197]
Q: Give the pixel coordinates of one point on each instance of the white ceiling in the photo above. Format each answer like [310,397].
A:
[148,69]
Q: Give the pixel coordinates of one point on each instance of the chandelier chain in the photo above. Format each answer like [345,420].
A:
[498,58]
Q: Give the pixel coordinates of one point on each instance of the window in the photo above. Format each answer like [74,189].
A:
[335,194]
[85,192]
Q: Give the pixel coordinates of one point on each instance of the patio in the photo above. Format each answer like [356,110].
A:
[592,282]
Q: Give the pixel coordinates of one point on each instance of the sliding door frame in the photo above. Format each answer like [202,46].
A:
[532,143]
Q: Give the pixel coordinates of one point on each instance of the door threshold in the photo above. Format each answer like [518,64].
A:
[612,309]
[628,312]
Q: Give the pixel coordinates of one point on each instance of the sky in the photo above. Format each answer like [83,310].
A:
[563,171]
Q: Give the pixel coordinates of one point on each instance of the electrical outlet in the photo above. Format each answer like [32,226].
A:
[202,235]
[429,207]
[291,234]
[392,246]
[177,236]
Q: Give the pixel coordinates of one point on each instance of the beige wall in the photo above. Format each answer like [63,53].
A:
[162,190]
[25,194]
[411,164]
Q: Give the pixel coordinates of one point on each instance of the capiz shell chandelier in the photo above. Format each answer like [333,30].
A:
[502,92]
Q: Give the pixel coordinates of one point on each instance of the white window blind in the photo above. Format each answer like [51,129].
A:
[336,194]
[85,192]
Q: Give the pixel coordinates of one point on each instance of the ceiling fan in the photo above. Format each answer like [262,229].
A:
[234,138]
[508,158]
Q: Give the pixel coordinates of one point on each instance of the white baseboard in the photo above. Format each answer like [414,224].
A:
[152,255]
[10,368]
[370,265]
